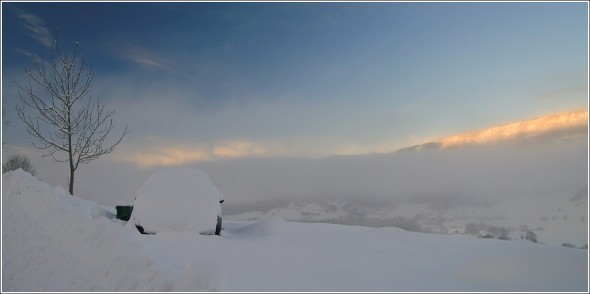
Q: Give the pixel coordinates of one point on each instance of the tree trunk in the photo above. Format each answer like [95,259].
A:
[70,150]
[72,170]
[71,181]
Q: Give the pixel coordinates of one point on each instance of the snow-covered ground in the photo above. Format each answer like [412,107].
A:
[422,218]
[54,242]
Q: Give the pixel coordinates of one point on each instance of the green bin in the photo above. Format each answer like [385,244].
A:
[124,212]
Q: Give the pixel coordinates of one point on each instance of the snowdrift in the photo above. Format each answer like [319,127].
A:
[177,199]
[55,242]
[52,241]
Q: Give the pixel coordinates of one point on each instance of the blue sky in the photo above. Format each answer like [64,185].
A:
[197,81]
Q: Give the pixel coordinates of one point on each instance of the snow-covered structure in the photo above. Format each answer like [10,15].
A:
[178,199]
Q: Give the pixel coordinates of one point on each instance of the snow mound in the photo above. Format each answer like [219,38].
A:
[54,242]
[264,228]
[177,200]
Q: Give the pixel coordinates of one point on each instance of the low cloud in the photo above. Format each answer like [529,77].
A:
[439,179]
[239,149]
[147,153]
[154,151]
[167,154]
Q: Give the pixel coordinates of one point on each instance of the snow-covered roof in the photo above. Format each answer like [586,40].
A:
[128,201]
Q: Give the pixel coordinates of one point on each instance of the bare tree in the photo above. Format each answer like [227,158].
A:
[65,120]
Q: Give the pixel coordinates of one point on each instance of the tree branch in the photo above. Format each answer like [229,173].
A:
[57,111]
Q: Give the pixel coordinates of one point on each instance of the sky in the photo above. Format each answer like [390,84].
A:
[208,82]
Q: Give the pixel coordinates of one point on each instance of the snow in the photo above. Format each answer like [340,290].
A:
[177,199]
[52,241]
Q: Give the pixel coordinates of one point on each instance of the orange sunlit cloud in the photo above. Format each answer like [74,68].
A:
[183,154]
[165,154]
[238,149]
[168,156]
[533,127]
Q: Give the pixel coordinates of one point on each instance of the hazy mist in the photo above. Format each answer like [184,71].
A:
[520,184]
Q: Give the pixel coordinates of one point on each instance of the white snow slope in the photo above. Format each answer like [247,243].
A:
[55,242]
